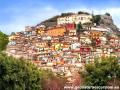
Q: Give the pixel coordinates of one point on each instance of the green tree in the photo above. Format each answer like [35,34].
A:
[19,74]
[78,28]
[81,12]
[12,33]
[3,41]
[102,71]
[108,14]
[96,19]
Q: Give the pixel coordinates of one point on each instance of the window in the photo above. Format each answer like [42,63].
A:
[81,18]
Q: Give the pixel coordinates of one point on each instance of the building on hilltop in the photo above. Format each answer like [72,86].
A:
[76,18]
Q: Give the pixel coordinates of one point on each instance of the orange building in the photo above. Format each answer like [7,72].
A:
[95,34]
[57,31]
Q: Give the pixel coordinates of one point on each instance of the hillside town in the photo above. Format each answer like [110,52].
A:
[73,42]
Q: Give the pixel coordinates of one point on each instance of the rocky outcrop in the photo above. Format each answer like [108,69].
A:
[107,21]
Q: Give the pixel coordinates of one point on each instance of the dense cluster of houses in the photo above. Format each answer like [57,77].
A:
[61,45]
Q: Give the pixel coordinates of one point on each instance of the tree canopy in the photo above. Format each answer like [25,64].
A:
[66,14]
[18,74]
[3,41]
[79,27]
[108,14]
[102,71]
[81,12]
[96,19]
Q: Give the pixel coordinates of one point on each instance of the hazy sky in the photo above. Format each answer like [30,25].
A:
[16,14]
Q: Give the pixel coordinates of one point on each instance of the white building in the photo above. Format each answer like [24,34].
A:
[83,18]
[101,29]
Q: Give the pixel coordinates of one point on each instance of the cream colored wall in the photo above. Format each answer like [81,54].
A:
[74,18]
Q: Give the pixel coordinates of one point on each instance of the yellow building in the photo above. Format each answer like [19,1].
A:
[95,34]
[12,37]
[40,31]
